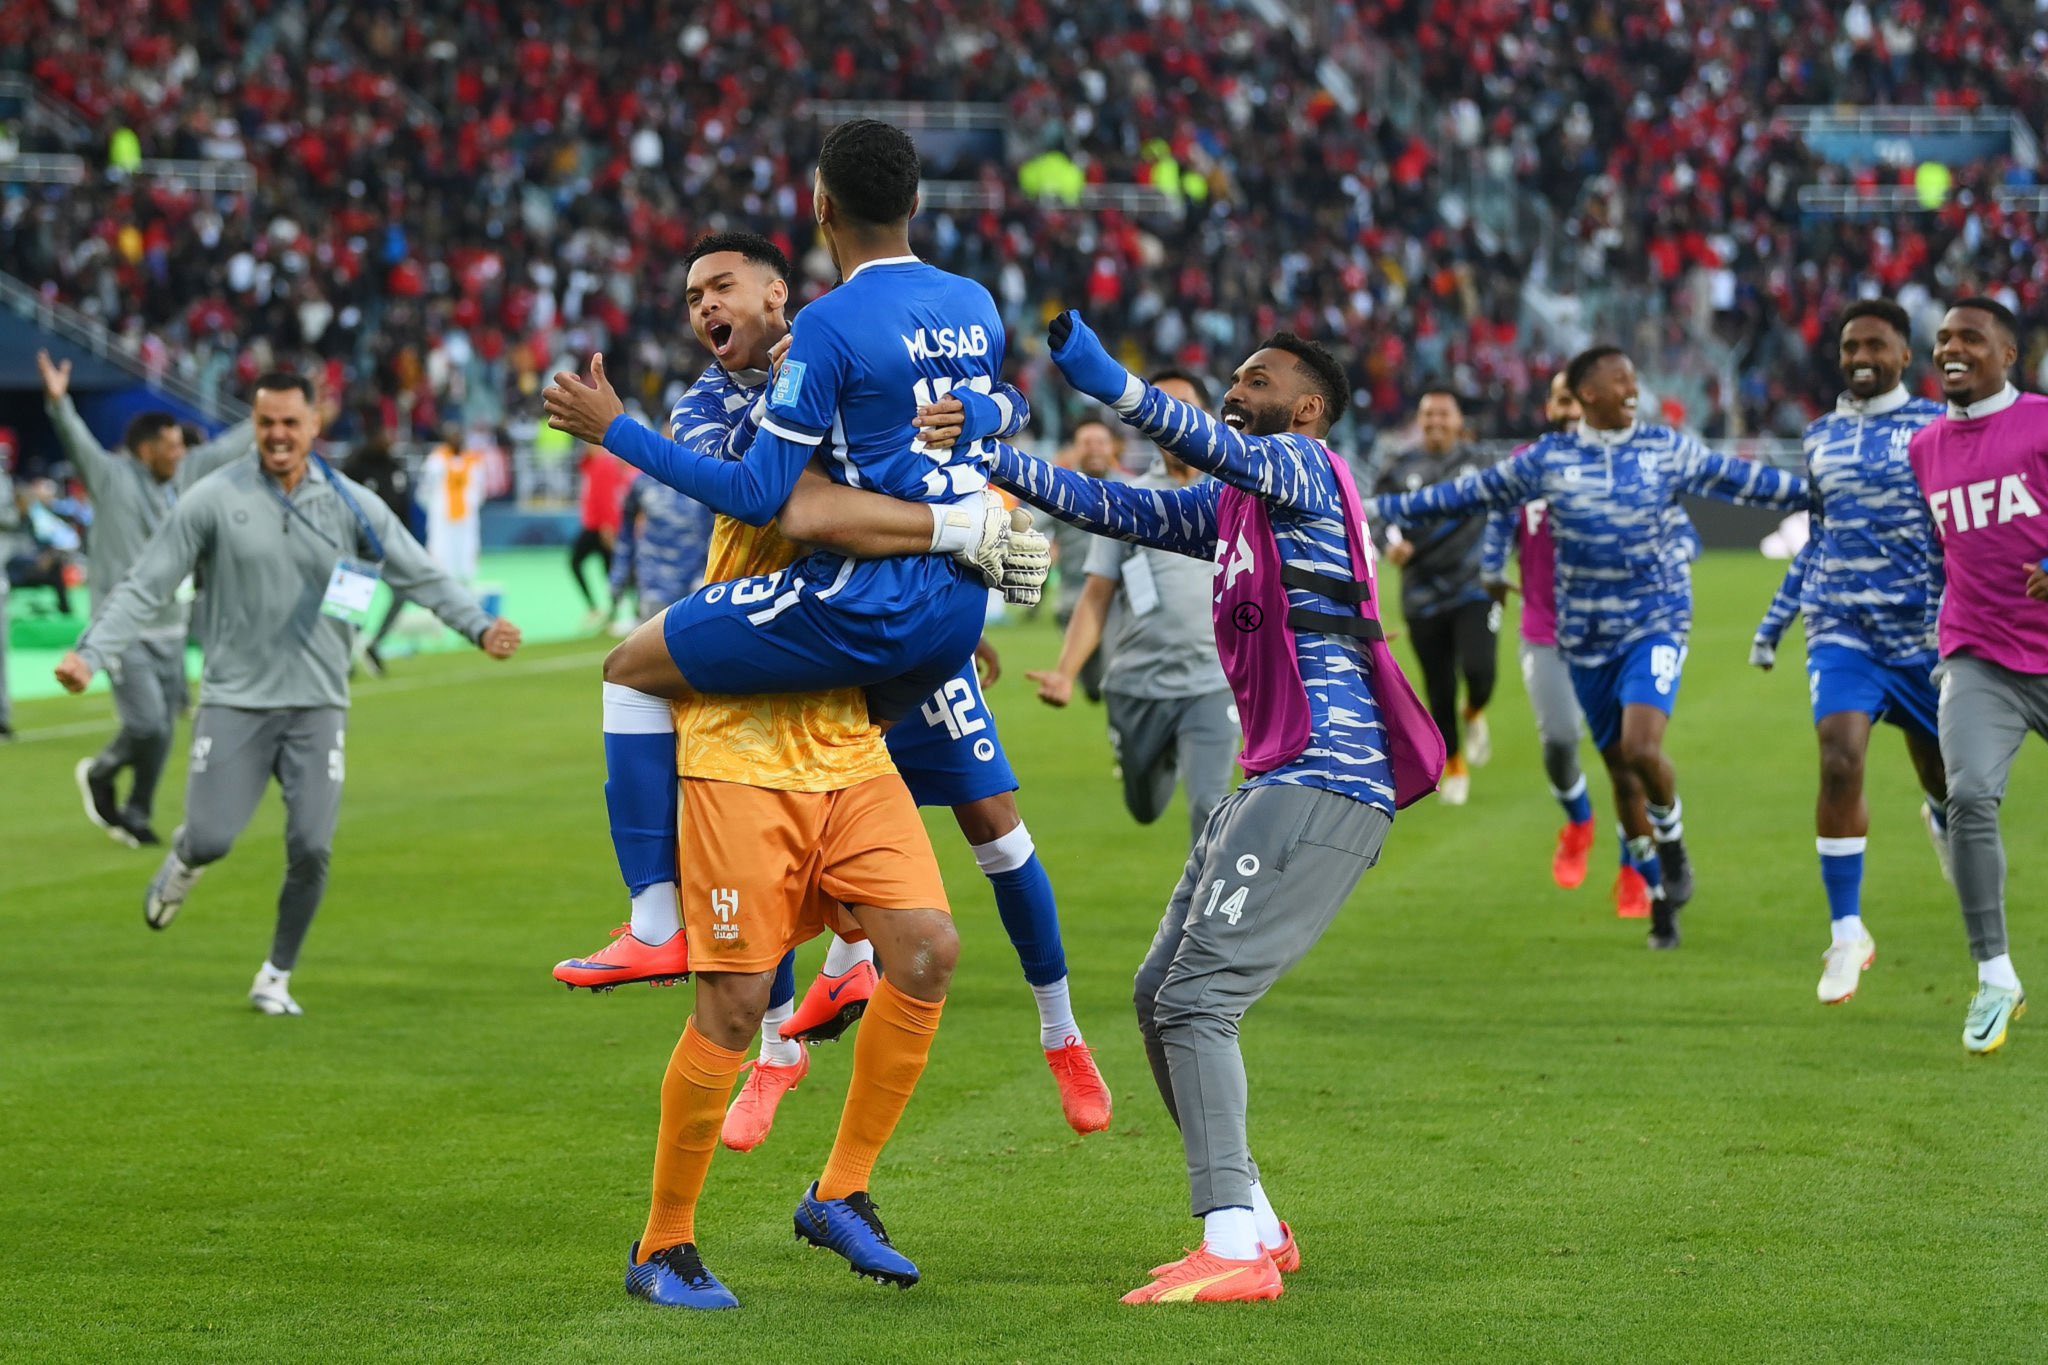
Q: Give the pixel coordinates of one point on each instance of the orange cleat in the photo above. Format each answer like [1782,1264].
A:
[1203,1278]
[832,1004]
[1286,1256]
[752,1115]
[1631,895]
[626,961]
[1568,864]
[1083,1096]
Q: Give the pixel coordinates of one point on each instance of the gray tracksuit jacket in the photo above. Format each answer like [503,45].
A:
[129,504]
[268,645]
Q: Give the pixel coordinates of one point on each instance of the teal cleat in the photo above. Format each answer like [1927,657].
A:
[1992,1011]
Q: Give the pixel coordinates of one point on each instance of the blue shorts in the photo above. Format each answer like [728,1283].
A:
[1843,679]
[948,750]
[901,628]
[1647,674]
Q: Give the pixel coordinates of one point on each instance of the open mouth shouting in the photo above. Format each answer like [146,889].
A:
[721,338]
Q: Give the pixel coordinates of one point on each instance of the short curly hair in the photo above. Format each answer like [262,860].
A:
[870,169]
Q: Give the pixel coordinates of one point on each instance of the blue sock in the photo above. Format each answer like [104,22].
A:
[1025,902]
[1841,872]
[1578,806]
[1622,835]
[1641,854]
[640,785]
[783,991]
[1939,810]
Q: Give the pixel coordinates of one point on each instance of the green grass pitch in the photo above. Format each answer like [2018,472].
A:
[1500,1127]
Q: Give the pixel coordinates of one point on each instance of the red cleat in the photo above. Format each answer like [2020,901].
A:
[1286,1256]
[1631,895]
[626,961]
[1568,865]
[752,1115]
[832,1004]
[1203,1278]
[1083,1096]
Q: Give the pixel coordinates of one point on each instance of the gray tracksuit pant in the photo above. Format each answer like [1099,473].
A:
[235,753]
[1161,740]
[149,692]
[1266,878]
[1548,680]
[1986,711]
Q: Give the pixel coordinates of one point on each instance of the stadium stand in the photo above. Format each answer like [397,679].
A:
[453,200]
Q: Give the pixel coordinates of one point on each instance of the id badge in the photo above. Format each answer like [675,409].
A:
[350,591]
[1139,588]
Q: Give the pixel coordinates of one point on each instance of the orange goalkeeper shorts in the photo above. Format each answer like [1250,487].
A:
[763,871]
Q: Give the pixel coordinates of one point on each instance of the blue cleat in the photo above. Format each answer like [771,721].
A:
[676,1278]
[851,1227]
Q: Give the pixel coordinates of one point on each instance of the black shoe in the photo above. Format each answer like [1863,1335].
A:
[6,732]
[1663,924]
[1677,874]
[101,805]
[138,825]
[373,661]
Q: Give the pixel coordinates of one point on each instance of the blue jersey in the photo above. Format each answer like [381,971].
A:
[1620,579]
[862,359]
[664,543]
[1869,577]
[1347,749]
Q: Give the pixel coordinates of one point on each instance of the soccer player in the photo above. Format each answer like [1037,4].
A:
[1171,717]
[1334,739]
[1453,625]
[1624,596]
[1097,451]
[793,821]
[133,491]
[896,335]
[292,552]
[1983,468]
[1525,531]
[1866,585]
[663,546]
[947,748]
[452,494]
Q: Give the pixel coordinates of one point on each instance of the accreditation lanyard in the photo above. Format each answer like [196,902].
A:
[353,584]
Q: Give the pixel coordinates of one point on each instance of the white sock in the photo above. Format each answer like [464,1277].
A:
[657,914]
[842,957]
[1998,972]
[1056,1026]
[1271,1235]
[775,1049]
[281,975]
[1232,1233]
[1847,929]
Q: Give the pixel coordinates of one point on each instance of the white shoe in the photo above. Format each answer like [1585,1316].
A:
[168,889]
[1937,836]
[594,622]
[1842,969]
[269,993]
[1455,791]
[1478,742]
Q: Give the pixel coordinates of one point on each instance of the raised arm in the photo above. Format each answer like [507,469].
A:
[1728,479]
[1506,485]
[1182,520]
[223,450]
[1498,543]
[165,561]
[93,461]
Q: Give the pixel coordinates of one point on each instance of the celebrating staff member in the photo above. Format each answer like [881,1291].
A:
[292,552]
[132,495]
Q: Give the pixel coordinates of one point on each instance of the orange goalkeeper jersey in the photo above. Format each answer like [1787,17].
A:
[790,741]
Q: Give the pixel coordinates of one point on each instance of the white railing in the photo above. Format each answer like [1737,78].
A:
[970,195]
[1848,201]
[952,114]
[93,337]
[43,168]
[1819,120]
[214,177]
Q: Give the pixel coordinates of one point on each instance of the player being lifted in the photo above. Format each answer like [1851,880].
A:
[947,749]
[1624,607]
[1867,585]
[1335,740]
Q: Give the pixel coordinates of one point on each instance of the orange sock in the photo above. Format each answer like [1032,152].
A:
[888,1057]
[693,1096]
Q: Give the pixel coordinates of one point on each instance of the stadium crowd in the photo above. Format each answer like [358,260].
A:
[455,199]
